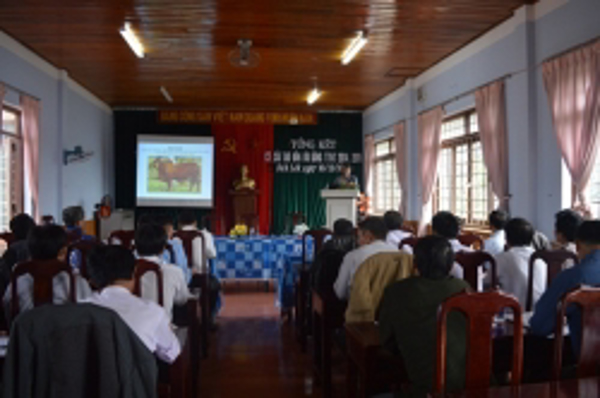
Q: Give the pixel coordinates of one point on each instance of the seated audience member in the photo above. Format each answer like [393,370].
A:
[371,240]
[587,272]
[332,254]
[541,241]
[177,254]
[447,225]
[393,221]
[111,269]
[17,251]
[513,265]
[187,222]
[44,244]
[408,318]
[496,243]
[150,244]
[72,218]
[48,220]
[565,228]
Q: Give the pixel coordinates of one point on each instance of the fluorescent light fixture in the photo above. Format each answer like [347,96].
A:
[133,41]
[357,44]
[313,96]
[166,94]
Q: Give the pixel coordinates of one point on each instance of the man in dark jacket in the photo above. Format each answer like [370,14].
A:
[77,351]
[408,317]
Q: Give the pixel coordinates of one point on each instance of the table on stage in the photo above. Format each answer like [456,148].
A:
[258,257]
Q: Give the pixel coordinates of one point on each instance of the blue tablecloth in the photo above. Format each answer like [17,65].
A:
[260,257]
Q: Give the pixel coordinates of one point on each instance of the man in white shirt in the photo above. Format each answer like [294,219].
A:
[394,221]
[447,225]
[371,240]
[496,243]
[111,269]
[187,222]
[513,265]
[46,243]
[151,240]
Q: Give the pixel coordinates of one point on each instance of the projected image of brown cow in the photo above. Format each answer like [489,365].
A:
[179,175]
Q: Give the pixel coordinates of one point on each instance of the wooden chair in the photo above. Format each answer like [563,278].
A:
[125,238]
[471,240]
[141,268]
[42,273]
[73,236]
[83,247]
[198,280]
[409,228]
[7,237]
[471,262]
[588,301]
[480,310]
[328,315]
[412,242]
[302,286]
[554,261]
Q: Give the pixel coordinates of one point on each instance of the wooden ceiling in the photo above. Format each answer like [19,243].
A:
[299,41]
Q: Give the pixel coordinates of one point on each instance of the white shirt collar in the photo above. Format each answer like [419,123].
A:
[155,259]
[114,289]
[188,228]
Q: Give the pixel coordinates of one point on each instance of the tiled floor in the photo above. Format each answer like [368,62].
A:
[253,354]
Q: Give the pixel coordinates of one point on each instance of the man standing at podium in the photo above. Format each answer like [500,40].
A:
[346,180]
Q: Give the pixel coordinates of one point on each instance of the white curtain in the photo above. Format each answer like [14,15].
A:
[491,114]
[430,129]
[400,141]
[368,163]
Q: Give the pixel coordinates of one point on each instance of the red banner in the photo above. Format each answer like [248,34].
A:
[228,117]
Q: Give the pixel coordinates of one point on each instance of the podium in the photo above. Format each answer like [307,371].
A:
[340,203]
[245,203]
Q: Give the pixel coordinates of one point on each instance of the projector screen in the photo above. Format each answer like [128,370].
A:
[174,171]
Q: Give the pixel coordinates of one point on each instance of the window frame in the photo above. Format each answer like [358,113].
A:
[468,139]
[390,156]
[17,206]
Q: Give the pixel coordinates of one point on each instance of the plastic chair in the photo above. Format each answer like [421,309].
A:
[480,310]
[471,262]
[588,301]
[42,273]
[554,261]
[471,240]
[141,268]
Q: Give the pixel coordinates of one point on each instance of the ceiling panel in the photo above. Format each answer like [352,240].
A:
[299,42]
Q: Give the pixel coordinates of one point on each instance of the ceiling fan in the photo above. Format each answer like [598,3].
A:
[243,56]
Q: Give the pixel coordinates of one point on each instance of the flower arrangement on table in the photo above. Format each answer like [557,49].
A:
[238,230]
[300,229]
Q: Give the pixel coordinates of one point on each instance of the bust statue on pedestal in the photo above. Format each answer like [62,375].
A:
[244,182]
[244,196]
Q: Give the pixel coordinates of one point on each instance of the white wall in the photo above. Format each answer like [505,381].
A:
[70,116]
[514,51]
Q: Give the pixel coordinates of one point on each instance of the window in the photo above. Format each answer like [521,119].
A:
[11,166]
[462,185]
[386,187]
